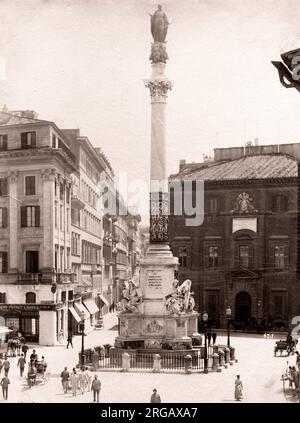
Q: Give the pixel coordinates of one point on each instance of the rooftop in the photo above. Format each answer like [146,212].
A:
[261,166]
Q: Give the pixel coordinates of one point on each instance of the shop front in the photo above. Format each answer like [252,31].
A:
[26,319]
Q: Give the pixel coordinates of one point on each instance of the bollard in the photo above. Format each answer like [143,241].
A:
[221,357]
[215,366]
[188,364]
[156,363]
[232,351]
[95,360]
[227,355]
[125,362]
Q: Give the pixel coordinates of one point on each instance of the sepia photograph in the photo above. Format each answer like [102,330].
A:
[149,192]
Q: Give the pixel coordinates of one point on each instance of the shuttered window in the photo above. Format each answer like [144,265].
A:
[29,185]
[3,297]
[32,261]
[213,256]
[30,216]
[3,142]
[28,140]
[3,217]
[281,256]
[3,186]
[3,262]
[244,255]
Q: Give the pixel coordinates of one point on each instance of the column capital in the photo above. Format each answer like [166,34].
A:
[48,174]
[158,89]
[13,176]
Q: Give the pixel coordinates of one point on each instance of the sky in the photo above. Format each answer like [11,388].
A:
[81,63]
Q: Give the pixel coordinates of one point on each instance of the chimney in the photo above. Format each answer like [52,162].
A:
[181,165]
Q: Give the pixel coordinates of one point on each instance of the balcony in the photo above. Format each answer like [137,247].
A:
[44,278]
[77,201]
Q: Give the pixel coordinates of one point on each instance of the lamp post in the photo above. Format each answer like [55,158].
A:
[205,318]
[228,314]
[82,315]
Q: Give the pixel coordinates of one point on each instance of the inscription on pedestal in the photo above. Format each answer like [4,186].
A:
[154,280]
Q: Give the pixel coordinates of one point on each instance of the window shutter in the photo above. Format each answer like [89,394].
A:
[3,186]
[4,217]
[236,255]
[4,262]
[33,139]
[23,140]
[271,255]
[206,255]
[4,142]
[251,256]
[23,216]
[286,256]
[37,216]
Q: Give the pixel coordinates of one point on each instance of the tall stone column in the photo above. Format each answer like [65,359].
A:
[13,221]
[159,85]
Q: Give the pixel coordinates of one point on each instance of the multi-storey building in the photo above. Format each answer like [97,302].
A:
[246,253]
[61,253]
[36,281]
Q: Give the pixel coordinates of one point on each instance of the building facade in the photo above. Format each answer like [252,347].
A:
[61,252]
[245,254]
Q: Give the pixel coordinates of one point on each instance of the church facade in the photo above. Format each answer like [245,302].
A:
[245,254]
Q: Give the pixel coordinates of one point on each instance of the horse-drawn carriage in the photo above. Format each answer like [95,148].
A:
[284,345]
[37,373]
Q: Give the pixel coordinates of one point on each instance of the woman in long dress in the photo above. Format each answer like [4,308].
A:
[238,392]
[74,380]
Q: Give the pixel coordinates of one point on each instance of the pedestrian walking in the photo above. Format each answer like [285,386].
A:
[33,357]
[74,382]
[209,337]
[96,386]
[298,360]
[6,366]
[4,383]
[88,379]
[25,348]
[1,363]
[65,375]
[155,397]
[69,340]
[82,380]
[18,346]
[238,391]
[214,337]
[21,364]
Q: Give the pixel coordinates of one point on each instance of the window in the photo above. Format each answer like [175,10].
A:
[63,296]
[29,185]
[3,186]
[278,305]
[3,262]
[3,217]
[68,195]
[2,297]
[213,205]
[61,215]
[32,261]
[28,140]
[244,255]
[3,142]
[61,191]
[213,256]
[75,244]
[280,256]
[53,141]
[30,216]
[183,256]
[280,203]
[30,298]
[55,214]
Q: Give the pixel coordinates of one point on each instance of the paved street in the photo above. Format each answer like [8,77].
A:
[260,372]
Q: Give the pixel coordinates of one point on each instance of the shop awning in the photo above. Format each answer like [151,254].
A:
[80,307]
[91,306]
[74,314]
[4,329]
[86,281]
[103,299]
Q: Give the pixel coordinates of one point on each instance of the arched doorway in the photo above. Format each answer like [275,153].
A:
[243,306]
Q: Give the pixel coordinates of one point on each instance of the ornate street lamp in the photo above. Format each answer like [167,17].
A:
[228,315]
[205,319]
[82,327]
